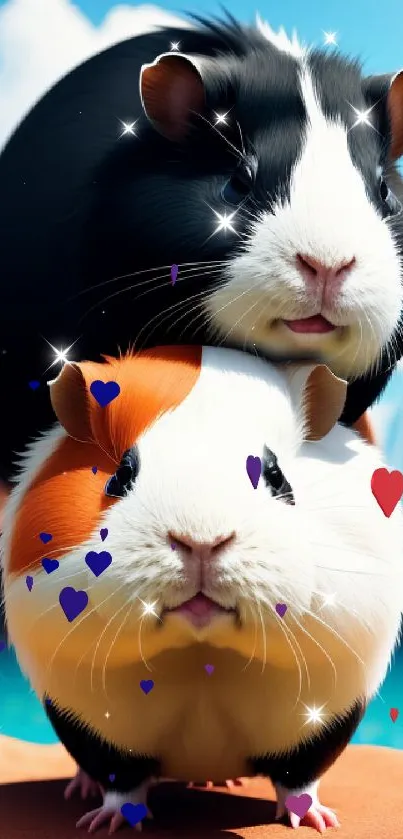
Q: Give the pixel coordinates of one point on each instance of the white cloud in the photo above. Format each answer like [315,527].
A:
[41,40]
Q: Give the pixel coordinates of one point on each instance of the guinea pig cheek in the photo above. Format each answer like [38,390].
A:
[128,595]
[274,564]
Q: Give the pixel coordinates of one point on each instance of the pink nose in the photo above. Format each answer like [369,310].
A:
[190,549]
[315,271]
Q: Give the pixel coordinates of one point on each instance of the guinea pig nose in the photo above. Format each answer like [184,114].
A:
[201,551]
[314,269]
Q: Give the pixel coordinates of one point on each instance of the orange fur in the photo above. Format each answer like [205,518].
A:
[66,499]
[365,429]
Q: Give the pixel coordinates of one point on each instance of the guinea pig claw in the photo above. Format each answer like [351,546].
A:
[318,817]
[111,810]
[84,784]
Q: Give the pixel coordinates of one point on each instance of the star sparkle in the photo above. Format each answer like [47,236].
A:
[221,119]
[224,221]
[128,128]
[61,356]
[149,608]
[330,38]
[314,715]
[329,599]
[175,46]
[363,117]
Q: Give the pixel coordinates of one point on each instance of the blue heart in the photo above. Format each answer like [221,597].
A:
[73,602]
[98,562]
[50,565]
[45,537]
[34,384]
[146,685]
[104,392]
[133,813]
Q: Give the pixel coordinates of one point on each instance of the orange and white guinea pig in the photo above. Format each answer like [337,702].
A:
[214,628]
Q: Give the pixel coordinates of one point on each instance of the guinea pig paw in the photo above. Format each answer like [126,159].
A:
[318,816]
[111,810]
[84,784]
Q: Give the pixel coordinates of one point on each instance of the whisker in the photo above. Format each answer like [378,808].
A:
[110,649]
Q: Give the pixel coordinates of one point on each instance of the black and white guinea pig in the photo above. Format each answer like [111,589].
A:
[198,558]
[265,171]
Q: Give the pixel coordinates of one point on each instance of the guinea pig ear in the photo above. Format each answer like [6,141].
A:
[320,394]
[69,398]
[388,88]
[171,89]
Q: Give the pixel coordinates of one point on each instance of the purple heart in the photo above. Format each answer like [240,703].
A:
[146,685]
[174,273]
[209,668]
[29,581]
[94,469]
[50,565]
[299,804]
[112,778]
[73,602]
[133,813]
[281,609]
[173,546]
[104,392]
[45,537]
[103,533]
[98,562]
[34,384]
[254,469]
[2,646]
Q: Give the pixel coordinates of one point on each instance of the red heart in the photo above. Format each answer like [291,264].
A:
[394,713]
[387,487]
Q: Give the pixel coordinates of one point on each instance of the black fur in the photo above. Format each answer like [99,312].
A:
[307,763]
[81,208]
[294,770]
[96,757]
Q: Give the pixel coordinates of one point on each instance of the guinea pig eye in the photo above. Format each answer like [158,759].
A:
[119,484]
[274,478]
[238,187]
[393,206]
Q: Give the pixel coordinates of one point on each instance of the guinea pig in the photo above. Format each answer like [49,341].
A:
[265,171]
[219,594]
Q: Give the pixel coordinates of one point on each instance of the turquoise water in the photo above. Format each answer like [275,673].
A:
[22,716]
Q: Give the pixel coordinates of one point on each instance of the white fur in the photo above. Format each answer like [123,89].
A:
[329,217]
[335,541]
[280,39]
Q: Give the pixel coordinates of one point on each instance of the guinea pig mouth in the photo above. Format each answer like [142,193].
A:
[200,611]
[315,325]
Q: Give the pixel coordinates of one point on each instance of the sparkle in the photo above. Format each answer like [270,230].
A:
[107,715]
[330,38]
[149,608]
[328,599]
[362,117]
[128,128]
[314,715]
[224,221]
[61,356]
[221,119]
[175,46]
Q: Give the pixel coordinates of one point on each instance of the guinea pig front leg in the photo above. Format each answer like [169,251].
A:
[123,777]
[299,771]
